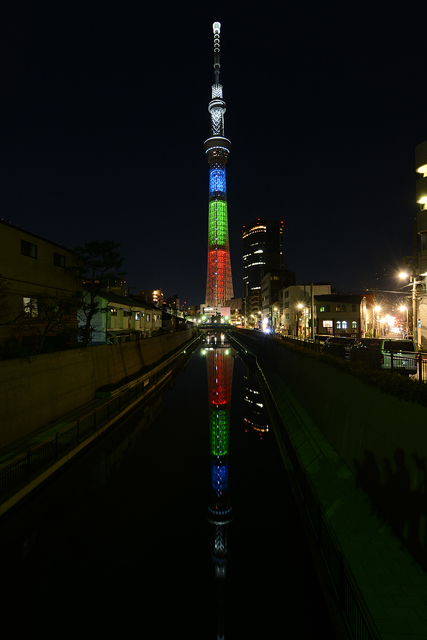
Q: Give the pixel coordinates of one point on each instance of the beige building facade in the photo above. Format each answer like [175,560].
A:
[36,287]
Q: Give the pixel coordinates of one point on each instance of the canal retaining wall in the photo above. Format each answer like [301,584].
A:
[382,439]
[37,390]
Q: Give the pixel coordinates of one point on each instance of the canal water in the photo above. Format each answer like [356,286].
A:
[178,522]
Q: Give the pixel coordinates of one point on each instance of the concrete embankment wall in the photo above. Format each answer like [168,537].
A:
[38,390]
[383,440]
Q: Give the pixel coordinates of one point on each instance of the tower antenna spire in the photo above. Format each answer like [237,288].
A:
[217,105]
[216,27]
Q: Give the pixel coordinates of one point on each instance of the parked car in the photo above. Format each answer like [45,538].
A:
[390,354]
[338,346]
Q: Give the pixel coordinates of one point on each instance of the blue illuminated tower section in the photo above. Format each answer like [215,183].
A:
[219,284]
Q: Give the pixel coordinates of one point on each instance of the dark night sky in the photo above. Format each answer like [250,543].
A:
[104,114]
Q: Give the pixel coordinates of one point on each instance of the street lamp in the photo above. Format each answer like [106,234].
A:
[275,318]
[375,319]
[413,280]
[402,309]
[304,316]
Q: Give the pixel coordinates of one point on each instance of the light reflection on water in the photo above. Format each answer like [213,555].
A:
[177,520]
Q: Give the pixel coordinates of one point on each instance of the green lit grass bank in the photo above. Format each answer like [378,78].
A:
[375,421]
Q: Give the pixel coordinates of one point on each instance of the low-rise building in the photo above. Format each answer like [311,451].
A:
[122,319]
[341,315]
[236,306]
[153,296]
[37,291]
[295,307]
[271,285]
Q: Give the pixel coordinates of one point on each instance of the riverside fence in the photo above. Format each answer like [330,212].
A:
[18,472]
[410,363]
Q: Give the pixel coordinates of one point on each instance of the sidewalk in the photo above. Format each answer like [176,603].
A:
[392,583]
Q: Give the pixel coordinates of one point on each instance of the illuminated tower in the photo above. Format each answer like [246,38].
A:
[219,284]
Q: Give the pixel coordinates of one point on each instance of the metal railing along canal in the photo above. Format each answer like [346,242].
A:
[31,463]
[409,362]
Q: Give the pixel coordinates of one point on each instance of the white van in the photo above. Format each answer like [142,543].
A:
[400,355]
[396,355]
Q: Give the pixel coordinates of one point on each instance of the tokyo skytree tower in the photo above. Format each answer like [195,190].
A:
[219,284]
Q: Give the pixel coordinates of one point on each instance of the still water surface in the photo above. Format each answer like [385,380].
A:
[178,522]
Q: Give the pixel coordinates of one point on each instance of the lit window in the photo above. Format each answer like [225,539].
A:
[327,323]
[147,317]
[354,324]
[31,309]
[28,249]
[344,324]
[113,311]
[338,308]
[338,324]
[322,309]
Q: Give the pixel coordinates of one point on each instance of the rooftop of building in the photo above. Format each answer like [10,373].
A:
[35,235]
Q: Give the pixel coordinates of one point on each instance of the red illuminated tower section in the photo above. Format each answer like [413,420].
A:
[219,284]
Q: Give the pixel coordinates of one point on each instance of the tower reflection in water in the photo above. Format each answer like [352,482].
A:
[255,414]
[219,361]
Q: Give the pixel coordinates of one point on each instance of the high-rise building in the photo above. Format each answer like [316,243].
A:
[219,284]
[421,168]
[262,252]
[419,280]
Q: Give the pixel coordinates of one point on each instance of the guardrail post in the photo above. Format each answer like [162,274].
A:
[391,361]
[420,367]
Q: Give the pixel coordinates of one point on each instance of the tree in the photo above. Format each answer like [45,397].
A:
[99,266]
[46,315]
[54,312]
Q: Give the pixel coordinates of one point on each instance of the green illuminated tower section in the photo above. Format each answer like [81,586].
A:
[219,284]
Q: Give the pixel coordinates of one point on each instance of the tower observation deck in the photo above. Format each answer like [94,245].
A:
[219,284]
